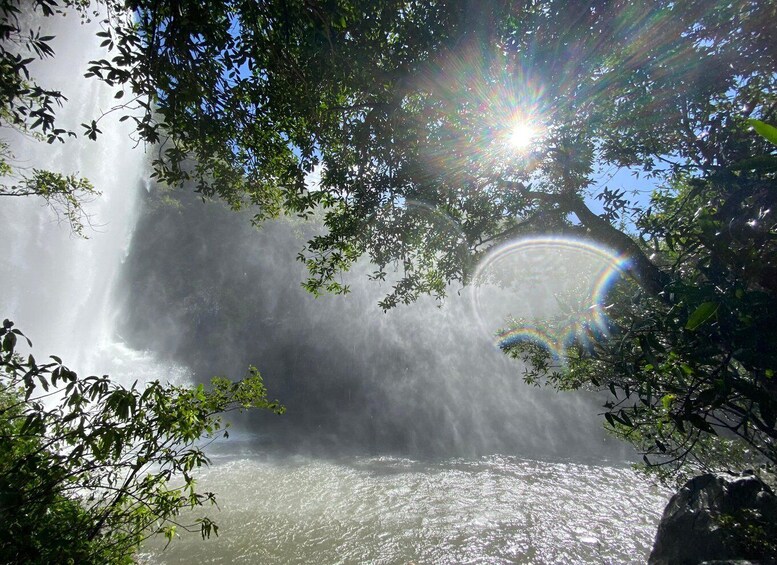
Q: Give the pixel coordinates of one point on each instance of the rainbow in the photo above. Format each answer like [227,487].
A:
[591,324]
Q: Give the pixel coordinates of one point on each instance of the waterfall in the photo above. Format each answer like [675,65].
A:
[202,288]
[197,287]
[188,291]
[57,287]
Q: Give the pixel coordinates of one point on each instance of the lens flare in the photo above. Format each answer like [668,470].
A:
[491,120]
[521,135]
[534,284]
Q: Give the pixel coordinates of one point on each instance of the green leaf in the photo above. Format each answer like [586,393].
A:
[9,342]
[700,423]
[762,163]
[703,313]
[707,396]
[764,130]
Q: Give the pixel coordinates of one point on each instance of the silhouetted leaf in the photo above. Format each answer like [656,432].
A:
[702,314]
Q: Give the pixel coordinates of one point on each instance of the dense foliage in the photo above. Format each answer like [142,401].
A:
[394,104]
[692,370]
[371,111]
[710,350]
[89,468]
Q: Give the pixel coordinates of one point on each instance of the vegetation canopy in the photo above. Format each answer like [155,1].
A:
[502,118]
[89,468]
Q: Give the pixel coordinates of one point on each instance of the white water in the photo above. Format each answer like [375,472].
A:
[385,510]
[60,290]
[58,287]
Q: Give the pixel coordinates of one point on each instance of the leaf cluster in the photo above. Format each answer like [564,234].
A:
[90,468]
[30,108]
[691,371]
[395,103]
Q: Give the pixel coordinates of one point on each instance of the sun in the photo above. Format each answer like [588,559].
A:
[521,135]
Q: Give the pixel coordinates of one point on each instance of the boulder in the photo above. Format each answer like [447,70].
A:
[715,520]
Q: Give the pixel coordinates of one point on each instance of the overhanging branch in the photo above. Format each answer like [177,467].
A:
[647,275]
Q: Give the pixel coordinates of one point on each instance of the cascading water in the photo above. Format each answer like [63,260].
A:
[417,434]
[416,381]
[393,447]
[59,287]
[56,285]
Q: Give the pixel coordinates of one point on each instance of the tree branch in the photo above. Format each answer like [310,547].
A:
[648,275]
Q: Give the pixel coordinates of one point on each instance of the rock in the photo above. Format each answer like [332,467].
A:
[718,521]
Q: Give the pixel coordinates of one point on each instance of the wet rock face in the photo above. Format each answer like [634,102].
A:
[714,520]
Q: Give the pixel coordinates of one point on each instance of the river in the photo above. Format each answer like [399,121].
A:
[385,510]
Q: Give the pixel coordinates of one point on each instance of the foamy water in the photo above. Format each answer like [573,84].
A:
[387,510]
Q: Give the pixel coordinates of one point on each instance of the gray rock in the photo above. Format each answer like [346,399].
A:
[718,521]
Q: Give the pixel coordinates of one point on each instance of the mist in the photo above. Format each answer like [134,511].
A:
[202,288]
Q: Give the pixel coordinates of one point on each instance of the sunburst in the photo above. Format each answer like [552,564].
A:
[521,135]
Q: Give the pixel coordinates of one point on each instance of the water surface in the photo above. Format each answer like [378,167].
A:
[389,510]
